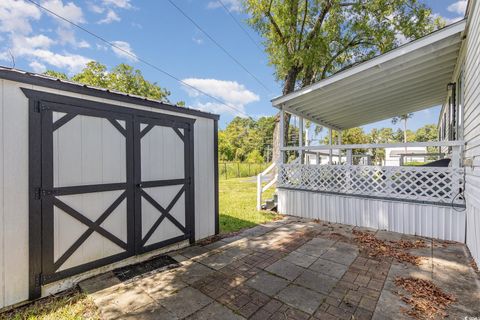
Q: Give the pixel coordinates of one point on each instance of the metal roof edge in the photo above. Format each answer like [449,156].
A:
[457,27]
[69,86]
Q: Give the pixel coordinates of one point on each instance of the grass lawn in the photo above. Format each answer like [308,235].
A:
[237,211]
[71,305]
[238,201]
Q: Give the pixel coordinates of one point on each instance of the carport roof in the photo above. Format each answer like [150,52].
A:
[409,78]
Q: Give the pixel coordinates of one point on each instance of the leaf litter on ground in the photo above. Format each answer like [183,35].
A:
[427,301]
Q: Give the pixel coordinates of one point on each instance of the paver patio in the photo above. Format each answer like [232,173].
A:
[288,269]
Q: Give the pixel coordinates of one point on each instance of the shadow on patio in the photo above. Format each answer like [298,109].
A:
[301,269]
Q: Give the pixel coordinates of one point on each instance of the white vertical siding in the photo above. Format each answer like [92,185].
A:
[472,129]
[2,212]
[14,260]
[439,222]
[15,193]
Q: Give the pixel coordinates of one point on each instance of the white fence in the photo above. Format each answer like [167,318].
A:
[425,184]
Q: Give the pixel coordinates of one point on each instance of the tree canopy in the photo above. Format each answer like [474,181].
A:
[309,40]
[123,78]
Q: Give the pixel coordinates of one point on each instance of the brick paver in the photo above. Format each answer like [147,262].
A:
[288,269]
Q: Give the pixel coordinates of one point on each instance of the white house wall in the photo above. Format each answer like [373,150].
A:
[440,222]
[14,180]
[472,129]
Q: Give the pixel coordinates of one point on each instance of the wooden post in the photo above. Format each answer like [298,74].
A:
[456,156]
[282,136]
[300,139]
[259,192]
[349,157]
[330,142]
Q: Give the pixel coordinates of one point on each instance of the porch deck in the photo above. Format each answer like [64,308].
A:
[292,269]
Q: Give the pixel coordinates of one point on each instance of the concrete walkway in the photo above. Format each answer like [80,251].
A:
[288,269]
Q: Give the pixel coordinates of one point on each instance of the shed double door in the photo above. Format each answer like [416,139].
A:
[114,183]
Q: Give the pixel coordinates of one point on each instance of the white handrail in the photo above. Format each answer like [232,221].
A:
[260,189]
[377,145]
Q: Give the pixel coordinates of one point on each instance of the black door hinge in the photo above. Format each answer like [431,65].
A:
[189,181]
[41,107]
[38,279]
[40,193]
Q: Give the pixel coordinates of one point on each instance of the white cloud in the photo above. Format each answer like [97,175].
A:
[23,44]
[124,50]
[37,67]
[458,7]
[83,44]
[72,62]
[232,93]
[220,108]
[95,8]
[197,40]
[15,16]
[123,4]
[110,17]
[232,5]
[69,11]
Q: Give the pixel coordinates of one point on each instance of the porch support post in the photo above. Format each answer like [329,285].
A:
[349,157]
[301,153]
[282,136]
[330,141]
[339,142]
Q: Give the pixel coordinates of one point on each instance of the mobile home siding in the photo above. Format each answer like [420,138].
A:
[472,129]
[14,184]
[440,222]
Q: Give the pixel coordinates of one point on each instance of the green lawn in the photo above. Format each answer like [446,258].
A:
[238,198]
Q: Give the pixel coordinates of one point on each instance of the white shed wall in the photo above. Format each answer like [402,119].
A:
[472,129]
[14,200]
[427,220]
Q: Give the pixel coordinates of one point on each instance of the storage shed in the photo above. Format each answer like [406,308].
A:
[92,180]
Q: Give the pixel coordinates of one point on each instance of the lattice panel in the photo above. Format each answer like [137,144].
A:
[413,183]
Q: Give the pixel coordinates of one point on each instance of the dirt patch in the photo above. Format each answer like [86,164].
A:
[427,301]
[394,249]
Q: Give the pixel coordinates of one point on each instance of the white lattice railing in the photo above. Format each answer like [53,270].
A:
[429,184]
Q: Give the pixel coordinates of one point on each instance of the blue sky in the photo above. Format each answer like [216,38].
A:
[157,32]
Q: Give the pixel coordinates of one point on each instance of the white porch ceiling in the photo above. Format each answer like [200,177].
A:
[409,78]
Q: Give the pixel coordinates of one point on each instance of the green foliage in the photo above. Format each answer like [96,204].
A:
[254,157]
[245,138]
[56,74]
[312,39]
[123,78]
[426,133]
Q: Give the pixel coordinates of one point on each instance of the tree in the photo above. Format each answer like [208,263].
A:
[123,78]
[242,136]
[403,118]
[309,40]
[255,157]
[426,133]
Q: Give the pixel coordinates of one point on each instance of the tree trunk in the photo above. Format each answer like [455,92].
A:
[287,88]
[405,133]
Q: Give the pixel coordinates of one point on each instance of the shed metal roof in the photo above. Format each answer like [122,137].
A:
[70,86]
[409,78]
